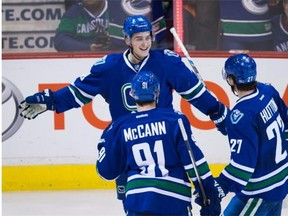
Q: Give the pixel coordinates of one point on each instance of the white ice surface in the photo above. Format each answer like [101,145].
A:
[80,202]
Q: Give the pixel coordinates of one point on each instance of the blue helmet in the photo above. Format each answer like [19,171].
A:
[242,67]
[135,24]
[145,86]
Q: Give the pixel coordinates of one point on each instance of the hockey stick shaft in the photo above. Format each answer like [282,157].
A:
[185,52]
[185,137]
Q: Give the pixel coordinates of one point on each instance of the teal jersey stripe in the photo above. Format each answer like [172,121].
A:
[189,96]
[246,28]
[251,206]
[81,97]
[202,170]
[238,173]
[252,186]
[161,184]
[115,31]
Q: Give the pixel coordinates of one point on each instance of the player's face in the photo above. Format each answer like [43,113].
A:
[91,2]
[285,6]
[141,43]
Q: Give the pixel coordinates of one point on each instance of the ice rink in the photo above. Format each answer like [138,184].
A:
[81,202]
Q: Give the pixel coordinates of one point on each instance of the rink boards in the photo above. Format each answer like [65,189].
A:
[55,152]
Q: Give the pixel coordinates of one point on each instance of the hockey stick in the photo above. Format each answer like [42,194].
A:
[185,52]
[185,137]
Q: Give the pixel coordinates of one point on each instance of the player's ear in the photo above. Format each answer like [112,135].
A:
[127,41]
[131,94]
[230,81]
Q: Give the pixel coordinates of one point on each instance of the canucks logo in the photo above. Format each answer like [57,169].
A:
[235,116]
[136,7]
[128,101]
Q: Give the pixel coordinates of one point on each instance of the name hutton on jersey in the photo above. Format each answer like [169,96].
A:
[268,111]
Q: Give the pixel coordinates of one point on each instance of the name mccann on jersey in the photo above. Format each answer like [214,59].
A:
[268,111]
[144,130]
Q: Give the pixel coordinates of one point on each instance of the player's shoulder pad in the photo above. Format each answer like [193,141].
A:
[167,55]
[178,112]
[263,85]
[267,88]
[175,113]
[107,62]
[122,119]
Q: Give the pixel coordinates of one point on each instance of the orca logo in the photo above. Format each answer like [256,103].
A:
[11,97]
[136,7]
[253,8]
[236,116]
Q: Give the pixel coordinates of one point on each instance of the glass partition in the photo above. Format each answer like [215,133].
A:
[214,25]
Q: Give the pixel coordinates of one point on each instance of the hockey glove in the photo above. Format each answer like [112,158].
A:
[213,207]
[221,190]
[36,104]
[219,118]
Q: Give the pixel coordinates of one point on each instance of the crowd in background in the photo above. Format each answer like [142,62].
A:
[260,25]
[96,25]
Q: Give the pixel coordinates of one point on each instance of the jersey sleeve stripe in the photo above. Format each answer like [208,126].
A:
[269,175]
[194,92]
[265,189]
[159,191]
[78,96]
[242,167]
[233,178]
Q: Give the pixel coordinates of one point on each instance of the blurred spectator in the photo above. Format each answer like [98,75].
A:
[189,13]
[201,22]
[280,30]
[168,39]
[84,27]
[69,3]
[207,23]
[153,10]
[245,25]
[275,7]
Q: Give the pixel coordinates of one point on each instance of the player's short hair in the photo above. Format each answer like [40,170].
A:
[145,87]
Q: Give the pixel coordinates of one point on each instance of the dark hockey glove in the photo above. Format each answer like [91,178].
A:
[214,202]
[221,190]
[36,104]
[219,118]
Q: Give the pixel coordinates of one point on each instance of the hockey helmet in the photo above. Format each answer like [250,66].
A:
[145,87]
[135,24]
[242,67]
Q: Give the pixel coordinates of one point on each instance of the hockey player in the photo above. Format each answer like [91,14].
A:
[152,10]
[111,77]
[258,169]
[148,145]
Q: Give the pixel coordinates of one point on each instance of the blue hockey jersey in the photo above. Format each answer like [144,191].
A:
[111,76]
[148,146]
[245,21]
[256,131]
